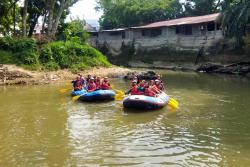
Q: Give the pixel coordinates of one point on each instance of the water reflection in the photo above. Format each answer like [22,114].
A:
[40,127]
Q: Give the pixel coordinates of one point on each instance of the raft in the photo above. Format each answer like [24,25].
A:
[78,92]
[146,102]
[98,95]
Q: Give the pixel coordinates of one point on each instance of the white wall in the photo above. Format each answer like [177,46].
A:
[168,38]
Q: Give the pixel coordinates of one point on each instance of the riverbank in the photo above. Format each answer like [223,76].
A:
[14,75]
[241,68]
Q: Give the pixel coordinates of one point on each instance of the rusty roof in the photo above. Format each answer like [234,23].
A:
[118,29]
[182,21]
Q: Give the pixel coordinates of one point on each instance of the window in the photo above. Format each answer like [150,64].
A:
[123,35]
[143,33]
[151,32]
[184,29]
[211,26]
[155,32]
[113,33]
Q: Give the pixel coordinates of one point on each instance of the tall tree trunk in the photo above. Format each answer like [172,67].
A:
[44,21]
[32,25]
[24,19]
[63,5]
[14,18]
[51,6]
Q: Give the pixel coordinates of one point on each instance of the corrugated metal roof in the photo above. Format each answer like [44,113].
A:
[182,21]
[118,29]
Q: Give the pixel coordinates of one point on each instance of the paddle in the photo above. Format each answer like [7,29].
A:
[173,104]
[119,93]
[64,90]
[75,98]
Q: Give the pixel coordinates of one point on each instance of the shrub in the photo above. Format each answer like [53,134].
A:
[24,51]
[51,66]
[52,56]
[6,57]
[72,55]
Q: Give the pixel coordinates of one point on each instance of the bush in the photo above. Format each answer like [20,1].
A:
[23,51]
[6,57]
[51,66]
[72,55]
[52,56]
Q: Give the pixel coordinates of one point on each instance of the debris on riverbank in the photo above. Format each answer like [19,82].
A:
[13,75]
[148,75]
[242,68]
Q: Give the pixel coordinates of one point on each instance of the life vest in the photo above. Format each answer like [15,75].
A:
[159,86]
[105,85]
[155,89]
[149,92]
[91,87]
[77,85]
[98,84]
[134,90]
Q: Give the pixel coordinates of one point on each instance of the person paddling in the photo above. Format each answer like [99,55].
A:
[91,85]
[142,85]
[153,87]
[98,82]
[77,84]
[105,84]
[158,84]
[148,91]
[134,89]
[158,77]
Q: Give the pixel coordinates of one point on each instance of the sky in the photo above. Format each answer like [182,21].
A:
[85,9]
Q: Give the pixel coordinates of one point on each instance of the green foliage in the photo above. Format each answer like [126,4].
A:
[74,31]
[7,14]
[51,66]
[23,51]
[127,13]
[202,7]
[72,55]
[6,57]
[52,56]
[235,17]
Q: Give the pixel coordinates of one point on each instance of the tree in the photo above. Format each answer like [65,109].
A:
[36,8]
[235,17]
[202,7]
[127,13]
[24,19]
[56,9]
[8,16]
[74,31]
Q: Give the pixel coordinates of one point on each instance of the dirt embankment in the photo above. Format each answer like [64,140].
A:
[11,74]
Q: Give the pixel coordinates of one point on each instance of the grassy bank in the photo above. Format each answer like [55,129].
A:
[51,56]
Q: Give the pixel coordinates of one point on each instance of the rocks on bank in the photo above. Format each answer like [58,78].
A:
[141,75]
[242,68]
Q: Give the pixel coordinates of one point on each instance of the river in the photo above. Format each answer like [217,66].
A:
[41,127]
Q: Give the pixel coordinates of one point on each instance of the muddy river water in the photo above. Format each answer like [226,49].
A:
[41,127]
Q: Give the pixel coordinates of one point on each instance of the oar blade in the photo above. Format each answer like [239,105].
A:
[75,98]
[119,97]
[64,90]
[173,104]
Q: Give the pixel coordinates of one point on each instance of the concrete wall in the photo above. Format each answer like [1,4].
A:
[168,44]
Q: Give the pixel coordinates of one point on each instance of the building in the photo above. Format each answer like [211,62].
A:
[169,37]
